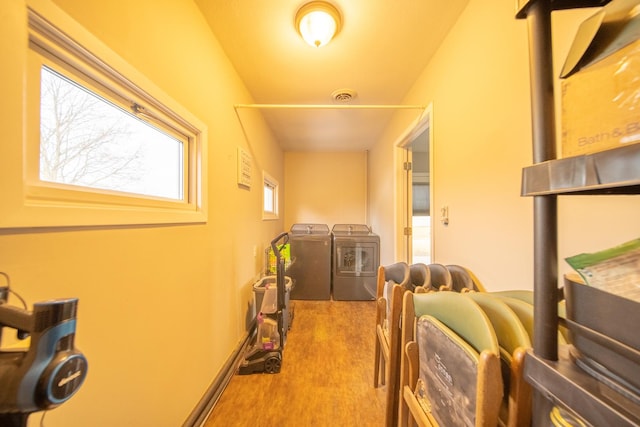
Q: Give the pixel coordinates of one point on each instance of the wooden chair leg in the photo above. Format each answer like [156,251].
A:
[408,383]
[380,363]
[376,367]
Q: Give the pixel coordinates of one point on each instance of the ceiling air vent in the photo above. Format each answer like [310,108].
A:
[343,96]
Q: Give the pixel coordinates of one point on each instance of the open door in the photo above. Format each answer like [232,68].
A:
[417,188]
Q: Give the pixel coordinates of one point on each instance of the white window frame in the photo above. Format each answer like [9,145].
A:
[65,46]
[269,181]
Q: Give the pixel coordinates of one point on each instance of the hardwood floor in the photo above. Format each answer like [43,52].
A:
[326,377]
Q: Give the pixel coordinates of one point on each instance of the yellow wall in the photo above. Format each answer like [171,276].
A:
[161,308]
[326,188]
[478,83]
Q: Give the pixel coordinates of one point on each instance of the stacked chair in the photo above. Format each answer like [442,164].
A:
[393,282]
[450,369]
[450,353]
[420,277]
[463,279]
[521,302]
[514,340]
[441,279]
[463,351]
[522,295]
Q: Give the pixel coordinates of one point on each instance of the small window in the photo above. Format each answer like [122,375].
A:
[104,145]
[270,197]
[87,141]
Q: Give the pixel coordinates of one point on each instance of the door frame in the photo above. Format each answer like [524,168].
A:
[403,243]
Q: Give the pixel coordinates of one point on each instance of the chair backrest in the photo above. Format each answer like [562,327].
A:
[520,294]
[463,279]
[524,310]
[388,276]
[397,272]
[420,276]
[460,314]
[440,277]
[459,373]
[460,279]
[514,340]
[509,329]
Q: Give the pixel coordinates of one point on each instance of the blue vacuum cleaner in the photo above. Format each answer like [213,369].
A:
[50,371]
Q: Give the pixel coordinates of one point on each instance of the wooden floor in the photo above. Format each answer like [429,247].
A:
[326,377]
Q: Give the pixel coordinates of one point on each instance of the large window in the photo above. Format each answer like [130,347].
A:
[104,145]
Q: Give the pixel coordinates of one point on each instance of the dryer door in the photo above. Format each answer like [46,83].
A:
[356,258]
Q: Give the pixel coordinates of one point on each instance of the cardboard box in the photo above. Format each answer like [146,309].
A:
[601,85]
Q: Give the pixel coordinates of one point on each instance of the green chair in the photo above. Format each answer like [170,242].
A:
[520,294]
[514,341]
[517,301]
[450,369]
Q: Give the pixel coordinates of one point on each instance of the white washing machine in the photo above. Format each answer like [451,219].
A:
[356,257]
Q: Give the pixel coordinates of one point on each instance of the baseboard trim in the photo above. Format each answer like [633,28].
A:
[208,401]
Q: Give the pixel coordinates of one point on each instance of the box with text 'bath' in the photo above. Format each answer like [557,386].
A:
[601,82]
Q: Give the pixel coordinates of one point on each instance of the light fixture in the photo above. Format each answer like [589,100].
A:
[318,22]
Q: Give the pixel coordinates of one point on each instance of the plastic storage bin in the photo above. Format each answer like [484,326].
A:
[265,288]
[603,329]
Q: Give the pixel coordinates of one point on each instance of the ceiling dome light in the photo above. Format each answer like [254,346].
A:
[318,22]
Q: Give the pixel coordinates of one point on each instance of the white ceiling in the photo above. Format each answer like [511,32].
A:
[381,50]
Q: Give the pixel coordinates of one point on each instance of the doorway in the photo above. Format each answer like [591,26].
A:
[417,185]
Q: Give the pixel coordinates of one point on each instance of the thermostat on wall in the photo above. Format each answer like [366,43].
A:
[244,168]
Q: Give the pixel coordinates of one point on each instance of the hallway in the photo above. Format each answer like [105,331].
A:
[326,377]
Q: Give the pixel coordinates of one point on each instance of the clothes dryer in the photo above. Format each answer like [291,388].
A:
[356,257]
[310,266]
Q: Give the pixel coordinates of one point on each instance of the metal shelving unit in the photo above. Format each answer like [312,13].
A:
[614,171]
[564,383]
[557,380]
